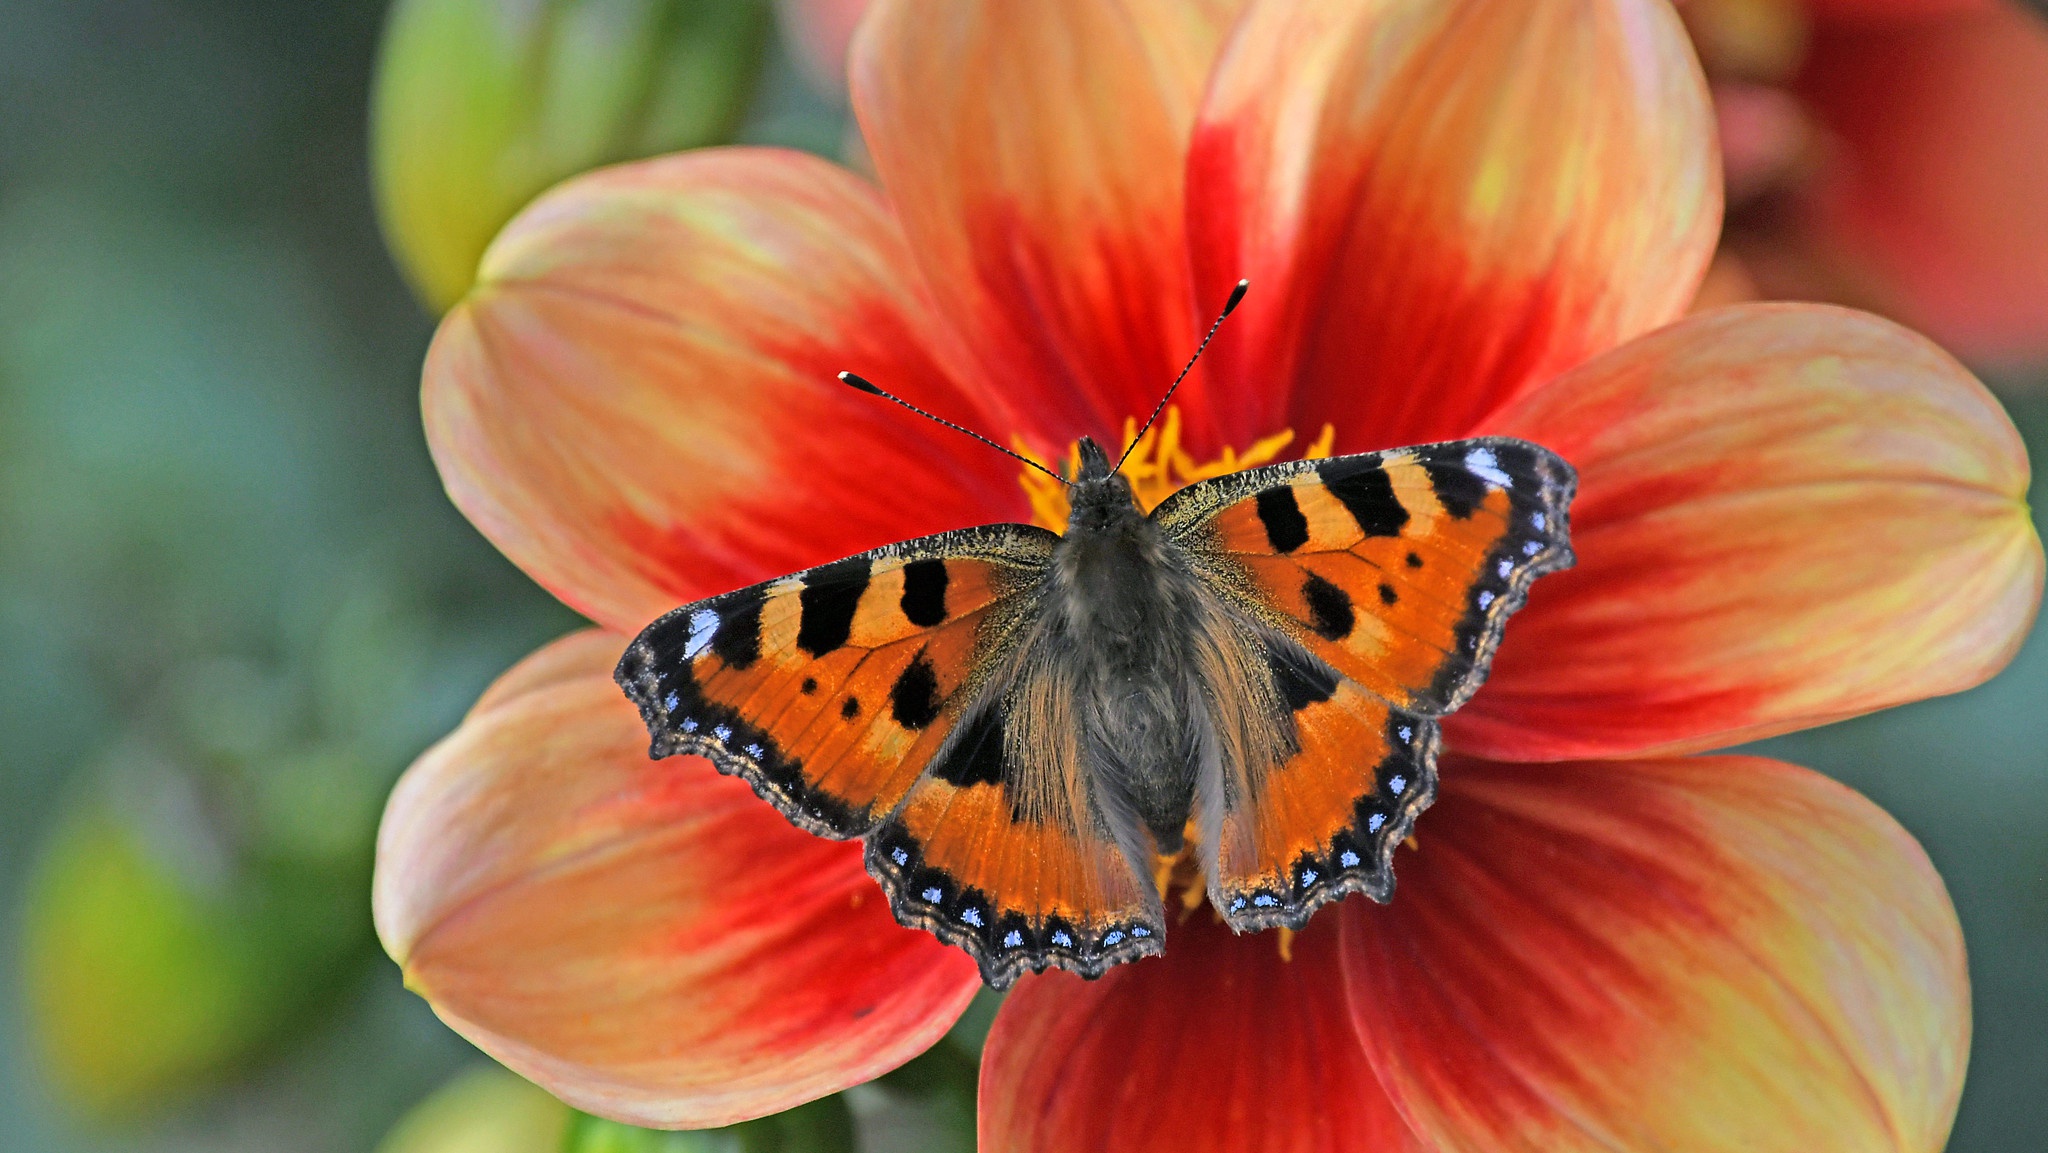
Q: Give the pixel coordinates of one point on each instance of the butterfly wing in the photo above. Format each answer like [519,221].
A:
[896,696]
[1005,848]
[1322,821]
[1385,580]
[830,690]
[1398,569]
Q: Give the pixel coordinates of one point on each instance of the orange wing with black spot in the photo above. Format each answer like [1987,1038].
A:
[873,697]
[830,690]
[1324,822]
[1003,848]
[1388,579]
[1398,569]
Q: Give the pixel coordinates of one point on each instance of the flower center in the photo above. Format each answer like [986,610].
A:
[1157,467]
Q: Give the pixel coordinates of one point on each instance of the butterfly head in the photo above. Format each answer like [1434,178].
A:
[1100,497]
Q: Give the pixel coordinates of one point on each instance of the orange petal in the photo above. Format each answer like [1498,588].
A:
[1444,203]
[1440,204]
[647,940]
[1034,152]
[637,404]
[1712,953]
[1222,1043]
[1935,193]
[1787,515]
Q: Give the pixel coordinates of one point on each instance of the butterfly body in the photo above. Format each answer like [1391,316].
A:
[1020,723]
[1124,615]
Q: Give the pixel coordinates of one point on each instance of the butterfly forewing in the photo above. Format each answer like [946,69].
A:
[830,690]
[1399,569]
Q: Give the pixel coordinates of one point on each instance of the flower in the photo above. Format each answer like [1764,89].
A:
[1889,153]
[1458,217]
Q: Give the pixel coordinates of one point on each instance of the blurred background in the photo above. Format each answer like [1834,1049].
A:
[234,603]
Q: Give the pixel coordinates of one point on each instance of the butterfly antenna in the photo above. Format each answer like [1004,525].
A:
[1236,295]
[862,384]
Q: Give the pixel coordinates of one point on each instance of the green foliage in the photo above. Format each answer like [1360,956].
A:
[153,962]
[824,1126]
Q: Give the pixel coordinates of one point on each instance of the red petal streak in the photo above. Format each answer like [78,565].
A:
[647,940]
[1715,953]
[1220,1044]
[637,403]
[1441,203]
[1034,152]
[1787,514]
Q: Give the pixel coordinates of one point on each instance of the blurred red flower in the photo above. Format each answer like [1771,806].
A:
[1889,154]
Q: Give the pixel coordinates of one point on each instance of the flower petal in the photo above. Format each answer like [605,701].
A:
[1787,515]
[1936,191]
[1220,1044]
[637,403]
[562,661]
[1440,203]
[1712,953]
[1034,152]
[647,940]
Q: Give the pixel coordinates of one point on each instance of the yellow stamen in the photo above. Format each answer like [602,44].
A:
[1158,466]
[1181,873]
[1286,943]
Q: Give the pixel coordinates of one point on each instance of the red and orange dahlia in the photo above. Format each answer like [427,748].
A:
[1459,217]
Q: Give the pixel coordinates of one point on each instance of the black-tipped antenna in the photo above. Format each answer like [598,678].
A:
[1229,306]
[862,384]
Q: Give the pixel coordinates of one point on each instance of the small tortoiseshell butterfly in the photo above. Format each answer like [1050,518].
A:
[1019,722]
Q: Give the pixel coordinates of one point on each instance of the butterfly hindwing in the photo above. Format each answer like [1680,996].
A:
[1010,857]
[1324,821]
[1399,569]
[831,689]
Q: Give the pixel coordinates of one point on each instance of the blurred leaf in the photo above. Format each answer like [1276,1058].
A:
[824,1126]
[482,104]
[163,944]
[942,1070]
[489,1109]
[589,1134]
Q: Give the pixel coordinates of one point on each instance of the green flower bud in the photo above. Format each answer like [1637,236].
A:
[165,943]
[482,104]
[485,1110]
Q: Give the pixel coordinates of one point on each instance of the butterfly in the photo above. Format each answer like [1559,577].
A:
[1021,724]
